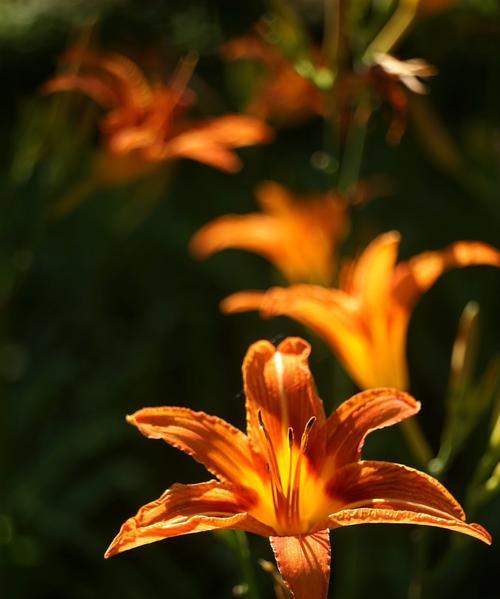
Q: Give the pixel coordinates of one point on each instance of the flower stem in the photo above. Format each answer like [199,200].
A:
[417,442]
[394,29]
[247,571]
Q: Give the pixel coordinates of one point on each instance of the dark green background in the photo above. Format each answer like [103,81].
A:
[104,312]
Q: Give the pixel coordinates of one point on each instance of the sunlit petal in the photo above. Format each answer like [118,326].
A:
[366,481]
[221,448]
[185,509]
[348,426]
[416,276]
[280,391]
[304,563]
[397,514]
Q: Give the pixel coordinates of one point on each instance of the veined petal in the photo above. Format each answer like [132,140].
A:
[185,509]
[348,426]
[416,276]
[304,563]
[257,233]
[280,391]
[396,514]
[221,448]
[365,483]
[329,312]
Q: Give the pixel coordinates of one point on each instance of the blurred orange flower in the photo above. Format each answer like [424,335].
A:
[431,7]
[365,322]
[294,475]
[149,120]
[298,235]
[282,94]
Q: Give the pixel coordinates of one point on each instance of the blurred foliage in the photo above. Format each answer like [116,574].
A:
[103,311]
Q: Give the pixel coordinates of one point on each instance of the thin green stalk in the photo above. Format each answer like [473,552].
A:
[354,147]
[245,559]
[394,29]
[417,442]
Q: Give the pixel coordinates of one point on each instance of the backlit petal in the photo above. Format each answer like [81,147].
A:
[279,386]
[221,448]
[329,312]
[367,481]
[185,509]
[416,276]
[304,563]
[351,422]
[372,276]
[257,233]
[399,515]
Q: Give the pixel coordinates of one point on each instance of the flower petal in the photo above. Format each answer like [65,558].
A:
[257,233]
[397,515]
[329,312]
[279,386]
[416,276]
[367,482]
[304,563]
[185,509]
[372,276]
[347,427]
[221,448]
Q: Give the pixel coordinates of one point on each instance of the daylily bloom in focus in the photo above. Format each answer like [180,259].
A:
[294,475]
[282,94]
[365,322]
[148,120]
[298,235]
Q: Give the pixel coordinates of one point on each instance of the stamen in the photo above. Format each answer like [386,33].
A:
[274,468]
[307,431]
[290,437]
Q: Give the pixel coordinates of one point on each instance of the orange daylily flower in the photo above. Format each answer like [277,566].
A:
[294,475]
[298,235]
[149,120]
[365,322]
[282,94]
[431,7]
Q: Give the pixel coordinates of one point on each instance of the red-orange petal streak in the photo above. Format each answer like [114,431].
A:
[185,509]
[384,515]
[279,385]
[221,448]
[304,563]
[348,426]
[370,480]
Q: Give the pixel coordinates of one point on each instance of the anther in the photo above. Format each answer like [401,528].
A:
[307,431]
[290,437]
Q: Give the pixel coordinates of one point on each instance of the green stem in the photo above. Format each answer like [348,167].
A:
[354,146]
[394,29]
[417,442]
[245,559]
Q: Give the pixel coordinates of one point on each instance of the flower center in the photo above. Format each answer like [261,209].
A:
[289,476]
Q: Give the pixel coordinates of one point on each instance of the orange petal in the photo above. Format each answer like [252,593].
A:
[279,386]
[125,75]
[92,86]
[372,276]
[367,482]
[221,448]
[257,233]
[395,515]
[329,312]
[348,426]
[185,509]
[415,277]
[304,563]
[235,130]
